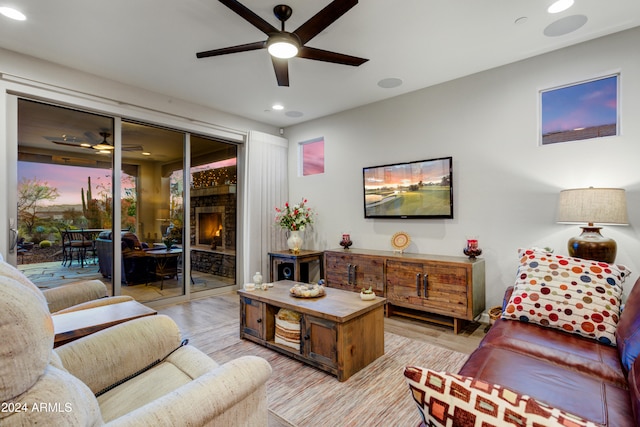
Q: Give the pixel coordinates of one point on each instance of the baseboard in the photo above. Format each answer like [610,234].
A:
[483,318]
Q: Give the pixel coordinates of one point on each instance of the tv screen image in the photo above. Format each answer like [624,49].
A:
[418,189]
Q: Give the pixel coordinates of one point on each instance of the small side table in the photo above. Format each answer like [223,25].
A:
[277,259]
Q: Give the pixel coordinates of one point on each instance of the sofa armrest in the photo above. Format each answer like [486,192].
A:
[96,303]
[507,297]
[108,356]
[232,394]
[74,293]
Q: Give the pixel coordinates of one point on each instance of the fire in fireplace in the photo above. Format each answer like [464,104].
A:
[210,227]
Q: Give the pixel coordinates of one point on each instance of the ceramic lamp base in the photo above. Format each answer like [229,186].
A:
[593,245]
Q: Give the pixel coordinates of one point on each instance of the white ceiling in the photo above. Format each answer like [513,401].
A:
[152,44]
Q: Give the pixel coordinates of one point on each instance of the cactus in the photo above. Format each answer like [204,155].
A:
[84,204]
[87,201]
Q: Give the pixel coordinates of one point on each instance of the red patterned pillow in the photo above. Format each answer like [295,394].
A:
[452,400]
[571,294]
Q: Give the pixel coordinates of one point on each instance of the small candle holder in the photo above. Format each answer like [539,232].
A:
[346,241]
[472,250]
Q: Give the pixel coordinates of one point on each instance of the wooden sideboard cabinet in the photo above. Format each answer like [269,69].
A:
[447,290]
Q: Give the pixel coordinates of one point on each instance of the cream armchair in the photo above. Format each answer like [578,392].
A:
[80,296]
[141,373]
[72,297]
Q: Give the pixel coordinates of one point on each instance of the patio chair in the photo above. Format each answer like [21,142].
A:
[74,243]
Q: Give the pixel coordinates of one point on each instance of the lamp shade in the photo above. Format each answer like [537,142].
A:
[593,206]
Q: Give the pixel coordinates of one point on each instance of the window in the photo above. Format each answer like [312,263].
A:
[580,111]
[312,156]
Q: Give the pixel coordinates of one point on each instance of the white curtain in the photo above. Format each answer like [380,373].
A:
[267,186]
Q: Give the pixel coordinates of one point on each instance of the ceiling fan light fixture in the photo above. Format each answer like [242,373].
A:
[104,145]
[283,46]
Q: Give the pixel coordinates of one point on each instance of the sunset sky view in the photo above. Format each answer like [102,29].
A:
[313,157]
[405,174]
[580,106]
[69,180]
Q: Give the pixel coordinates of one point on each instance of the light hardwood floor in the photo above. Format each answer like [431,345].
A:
[202,315]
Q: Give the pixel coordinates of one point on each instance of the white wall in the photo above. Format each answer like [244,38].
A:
[505,185]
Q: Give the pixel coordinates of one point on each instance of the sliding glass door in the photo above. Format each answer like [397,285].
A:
[152,212]
[175,228]
[213,213]
[64,186]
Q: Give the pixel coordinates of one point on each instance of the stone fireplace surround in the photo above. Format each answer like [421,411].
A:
[219,200]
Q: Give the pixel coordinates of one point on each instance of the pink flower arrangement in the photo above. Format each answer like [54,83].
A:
[294,218]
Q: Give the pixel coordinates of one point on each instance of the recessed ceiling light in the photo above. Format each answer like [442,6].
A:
[12,13]
[560,6]
[389,83]
[277,107]
[146,153]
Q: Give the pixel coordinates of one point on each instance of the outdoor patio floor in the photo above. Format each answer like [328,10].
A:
[52,274]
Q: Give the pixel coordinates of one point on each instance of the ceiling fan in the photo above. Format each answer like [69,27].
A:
[91,141]
[282,44]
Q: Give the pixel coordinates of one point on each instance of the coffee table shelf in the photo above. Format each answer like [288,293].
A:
[339,333]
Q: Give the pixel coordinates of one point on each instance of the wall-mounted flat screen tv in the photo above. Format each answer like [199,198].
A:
[419,189]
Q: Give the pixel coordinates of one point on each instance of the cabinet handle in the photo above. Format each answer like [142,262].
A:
[348,274]
[306,337]
[418,283]
[353,275]
[259,320]
[426,283]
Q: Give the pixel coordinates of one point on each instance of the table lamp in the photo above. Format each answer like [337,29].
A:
[593,206]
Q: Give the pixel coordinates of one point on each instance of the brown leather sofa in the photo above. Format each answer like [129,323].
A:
[598,382]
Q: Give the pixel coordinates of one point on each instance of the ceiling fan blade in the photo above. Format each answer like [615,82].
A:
[92,138]
[281,67]
[249,16]
[132,148]
[68,144]
[323,19]
[327,56]
[232,49]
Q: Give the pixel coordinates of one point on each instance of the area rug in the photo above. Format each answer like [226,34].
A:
[376,396]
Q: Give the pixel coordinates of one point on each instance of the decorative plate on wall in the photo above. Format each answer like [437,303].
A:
[400,241]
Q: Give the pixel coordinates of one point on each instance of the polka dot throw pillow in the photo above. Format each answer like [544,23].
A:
[571,294]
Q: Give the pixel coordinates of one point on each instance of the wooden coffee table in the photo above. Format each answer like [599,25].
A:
[71,326]
[339,333]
